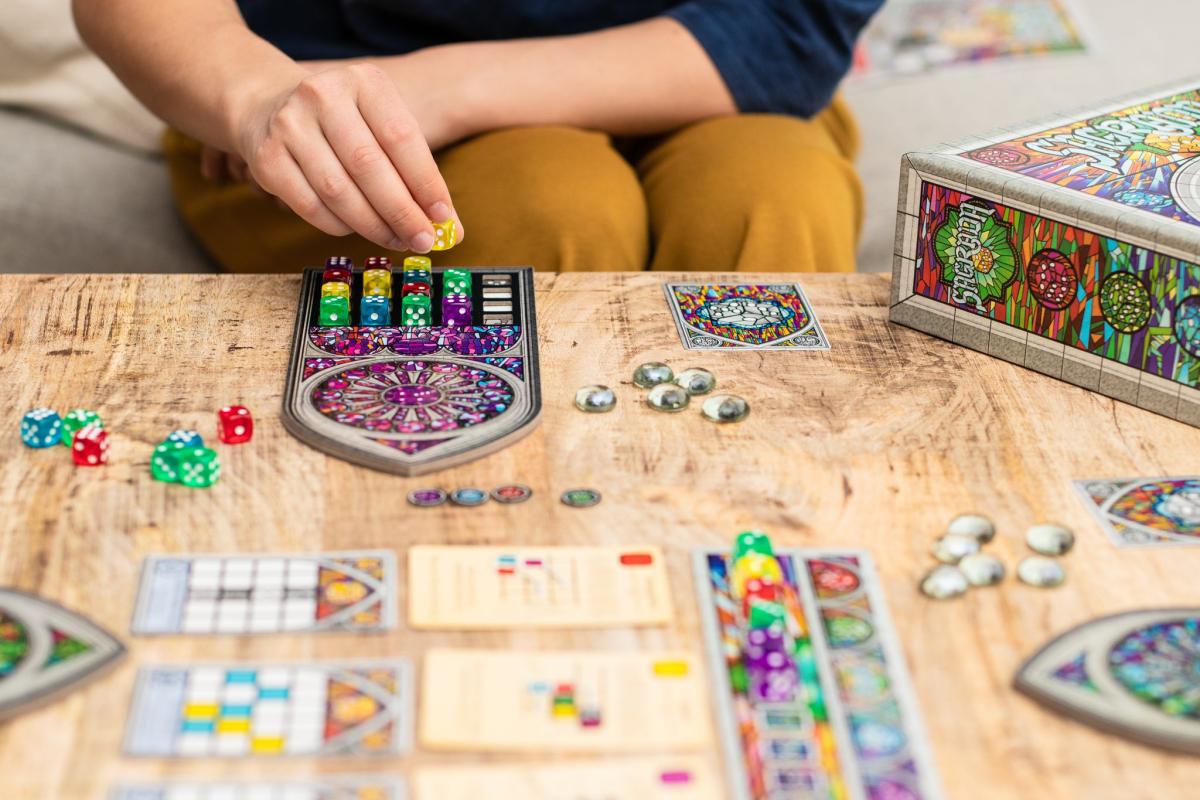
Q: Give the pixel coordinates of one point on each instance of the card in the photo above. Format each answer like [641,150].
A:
[320,788]
[643,779]
[247,710]
[351,591]
[537,587]
[1145,512]
[744,317]
[585,702]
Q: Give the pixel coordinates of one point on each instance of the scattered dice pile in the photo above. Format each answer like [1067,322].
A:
[375,308]
[180,458]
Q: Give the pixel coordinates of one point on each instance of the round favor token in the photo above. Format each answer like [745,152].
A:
[468,496]
[725,408]
[975,525]
[696,381]
[580,498]
[511,495]
[982,569]
[1050,540]
[668,397]
[595,399]
[652,374]
[953,548]
[427,498]
[1042,572]
[944,582]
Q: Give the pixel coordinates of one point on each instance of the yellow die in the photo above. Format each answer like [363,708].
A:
[335,289]
[377,287]
[445,235]
[378,275]
[417,262]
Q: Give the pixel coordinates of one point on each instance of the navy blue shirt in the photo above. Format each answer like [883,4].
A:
[780,56]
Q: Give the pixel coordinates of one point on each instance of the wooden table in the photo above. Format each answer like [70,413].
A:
[874,444]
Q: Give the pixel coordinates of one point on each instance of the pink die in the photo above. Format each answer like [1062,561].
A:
[234,424]
[89,446]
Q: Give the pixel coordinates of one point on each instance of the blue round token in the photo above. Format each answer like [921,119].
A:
[468,496]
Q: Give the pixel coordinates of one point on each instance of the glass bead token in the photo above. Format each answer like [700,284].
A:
[1050,540]
[668,397]
[725,408]
[975,525]
[652,374]
[1042,572]
[580,498]
[468,496]
[512,494]
[982,569]
[595,399]
[944,583]
[696,381]
[952,548]
[426,498]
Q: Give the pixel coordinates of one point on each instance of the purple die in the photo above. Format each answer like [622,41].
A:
[774,685]
[456,310]
[771,640]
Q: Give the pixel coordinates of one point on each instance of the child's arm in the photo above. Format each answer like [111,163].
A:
[339,146]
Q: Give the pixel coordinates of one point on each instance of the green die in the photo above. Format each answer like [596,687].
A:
[76,420]
[416,309]
[164,464]
[752,542]
[335,311]
[456,281]
[199,467]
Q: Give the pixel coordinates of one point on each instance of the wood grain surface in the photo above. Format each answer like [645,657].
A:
[875,444]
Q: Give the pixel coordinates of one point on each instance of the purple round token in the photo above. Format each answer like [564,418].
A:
[426,498]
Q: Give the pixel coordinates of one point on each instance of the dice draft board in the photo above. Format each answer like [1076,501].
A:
[839,720]
[412,399]
[1070,247]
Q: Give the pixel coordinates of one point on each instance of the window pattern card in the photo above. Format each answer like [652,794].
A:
[586,702]
[315,789]
[537,587]
[352,591]
[643,779]
[1145,512]
[744,317]
[244,710]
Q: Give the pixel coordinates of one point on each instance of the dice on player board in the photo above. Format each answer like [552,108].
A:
[377,288]
[375,311]
[415,287]
[76,420]
[41,427]
[456,281]
[199,467]
[378,262]
[336,275]
[445,235]
[334,311]
[89,448]
[417,310]
[456,310]
[418,262]
[234,424]
[378,275]
[335,289]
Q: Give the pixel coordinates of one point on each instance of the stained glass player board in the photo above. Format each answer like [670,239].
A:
[411,399]
[744,317]
[1145,512]
[271,710]
[321,788]
[1071,248]
[849,727]
[1135,674]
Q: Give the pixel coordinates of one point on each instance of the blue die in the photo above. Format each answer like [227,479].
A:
[374,311]
[181,439]
[41,427]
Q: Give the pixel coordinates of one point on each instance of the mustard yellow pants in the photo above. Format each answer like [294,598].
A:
[749,192]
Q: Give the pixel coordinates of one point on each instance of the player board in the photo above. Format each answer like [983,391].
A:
[850,727]
[413,399]
[744,317]
[322,788]
[1071,248]
[45,649]
[664,778]
[1134,674]
[267,593]
[1145,512]
[264,710]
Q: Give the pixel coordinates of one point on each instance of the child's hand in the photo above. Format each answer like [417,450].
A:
[341,148]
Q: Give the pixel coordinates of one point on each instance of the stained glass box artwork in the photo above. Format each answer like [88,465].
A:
[1069,246]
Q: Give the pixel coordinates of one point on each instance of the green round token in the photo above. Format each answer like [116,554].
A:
[580,498]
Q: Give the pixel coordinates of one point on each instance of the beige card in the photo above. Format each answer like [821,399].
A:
[585,702]
[537,587]
[641,779]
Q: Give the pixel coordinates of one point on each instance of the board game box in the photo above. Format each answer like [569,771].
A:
[1069,246]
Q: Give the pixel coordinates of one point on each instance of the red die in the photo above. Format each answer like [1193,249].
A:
[234,424]
[336,274]
[89,446]
[414,288]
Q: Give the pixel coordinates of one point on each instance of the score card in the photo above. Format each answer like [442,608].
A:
[537,587]
[666,778]
[573,702]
